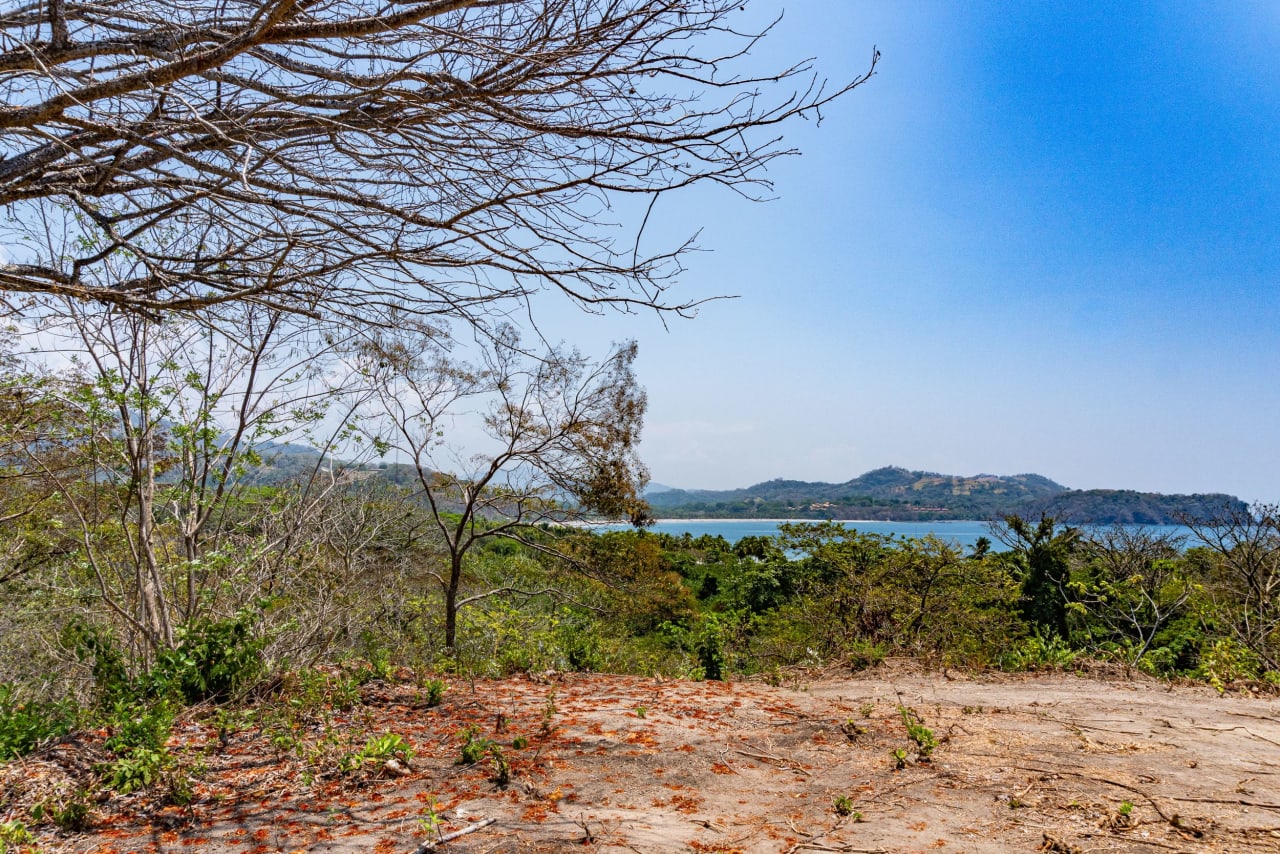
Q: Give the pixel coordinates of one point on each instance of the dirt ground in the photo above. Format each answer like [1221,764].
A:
[1062,763]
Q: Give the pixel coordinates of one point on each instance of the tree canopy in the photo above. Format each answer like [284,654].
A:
[369,158]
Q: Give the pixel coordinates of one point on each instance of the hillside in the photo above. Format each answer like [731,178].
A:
[898,494]
[889,494]
[1126,507]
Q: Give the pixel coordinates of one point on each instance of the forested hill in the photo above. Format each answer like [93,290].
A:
[893,493]
[1107,506]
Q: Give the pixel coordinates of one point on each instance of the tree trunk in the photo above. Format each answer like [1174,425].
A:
[155,613]
[451,602]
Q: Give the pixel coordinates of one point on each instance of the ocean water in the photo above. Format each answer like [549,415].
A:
[964,533]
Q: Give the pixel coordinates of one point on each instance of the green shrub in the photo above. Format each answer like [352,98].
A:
[1040,651]
[435,690]
[14,833]
[1225,661]
[501,637]
[579,642]
[23,726]
[708,644]
[865,654]
[111,677]
[310,693]
[760,587]
[141,768]
[925,741]
[378,750]
[212,661]
[843,805]
[1177,647]
[70,814]
[474,747]
[139,726]
[375,658]
[138,732]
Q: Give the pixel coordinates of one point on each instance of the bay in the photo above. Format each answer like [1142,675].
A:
[963,533]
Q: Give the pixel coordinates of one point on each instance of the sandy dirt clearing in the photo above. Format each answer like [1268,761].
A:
[1060,762]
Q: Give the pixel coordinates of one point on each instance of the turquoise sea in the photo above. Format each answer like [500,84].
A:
[966,533]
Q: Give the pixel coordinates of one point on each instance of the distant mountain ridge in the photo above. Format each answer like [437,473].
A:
[899,494]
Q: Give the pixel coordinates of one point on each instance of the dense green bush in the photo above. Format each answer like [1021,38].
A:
[25,725]
[139,724]
[212,661]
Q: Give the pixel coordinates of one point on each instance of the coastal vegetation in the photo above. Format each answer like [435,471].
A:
[287,601]
[159,560]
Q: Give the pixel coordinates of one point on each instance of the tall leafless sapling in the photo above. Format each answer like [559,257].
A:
[508,441]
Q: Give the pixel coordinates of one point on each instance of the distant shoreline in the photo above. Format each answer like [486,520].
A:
[753,520]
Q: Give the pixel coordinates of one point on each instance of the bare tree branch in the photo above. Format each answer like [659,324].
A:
[365,160]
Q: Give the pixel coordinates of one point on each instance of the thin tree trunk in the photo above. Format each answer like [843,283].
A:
[451,601]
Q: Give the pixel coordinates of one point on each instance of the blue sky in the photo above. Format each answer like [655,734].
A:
[1043,238]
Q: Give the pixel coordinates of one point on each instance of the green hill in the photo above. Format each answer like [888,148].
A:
[893,493]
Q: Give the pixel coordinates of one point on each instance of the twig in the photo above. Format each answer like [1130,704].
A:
[1029,787]
[1238,726]
[1095,728]
[811,840]
[724,760]
[1115,783]
[1240,801]
[1175,821]
[801,715]
[588,838]
[1271,719]
[449,837]
[1137,840]
[785,763]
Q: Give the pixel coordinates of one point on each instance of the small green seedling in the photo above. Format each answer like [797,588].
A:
[429,822]
[473,746]
[920,734]
[435,692]
[14,833]
[501,767]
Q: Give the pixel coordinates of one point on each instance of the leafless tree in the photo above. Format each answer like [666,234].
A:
[1131,581]
[508,442]
[365,158]
[1246,592]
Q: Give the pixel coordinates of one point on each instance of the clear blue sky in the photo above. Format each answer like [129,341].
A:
[1044,238]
